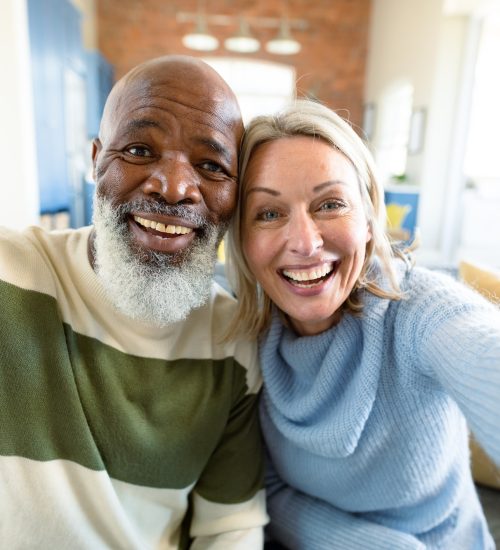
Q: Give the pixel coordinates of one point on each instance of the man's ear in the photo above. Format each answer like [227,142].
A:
[96,149]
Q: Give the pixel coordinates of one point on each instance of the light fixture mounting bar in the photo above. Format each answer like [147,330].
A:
[229,20]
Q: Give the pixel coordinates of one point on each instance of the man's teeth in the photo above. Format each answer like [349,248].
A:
[310,275]
[162,228]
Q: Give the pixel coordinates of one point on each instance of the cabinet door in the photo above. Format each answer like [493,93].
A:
[47,59]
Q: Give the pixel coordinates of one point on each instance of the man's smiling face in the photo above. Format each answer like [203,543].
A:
[166,170]
[170,137]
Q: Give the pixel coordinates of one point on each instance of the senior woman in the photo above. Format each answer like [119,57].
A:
[371,365]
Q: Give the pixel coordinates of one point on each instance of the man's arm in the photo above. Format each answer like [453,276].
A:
[229,501]
[225,519]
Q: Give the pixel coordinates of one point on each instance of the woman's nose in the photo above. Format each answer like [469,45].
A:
[304,236]
[175,181]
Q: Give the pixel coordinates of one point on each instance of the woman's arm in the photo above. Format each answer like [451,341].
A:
[301,522]
[460,347]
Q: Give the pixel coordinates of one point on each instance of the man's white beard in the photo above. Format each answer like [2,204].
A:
[150,286]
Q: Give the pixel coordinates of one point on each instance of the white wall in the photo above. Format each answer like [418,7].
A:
[425,45]
[19,198]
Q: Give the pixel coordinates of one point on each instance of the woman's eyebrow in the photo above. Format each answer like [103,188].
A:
[322,186]
[272,192]
[316,188]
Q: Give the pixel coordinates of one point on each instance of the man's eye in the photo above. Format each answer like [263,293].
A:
[139,151]
[211,166]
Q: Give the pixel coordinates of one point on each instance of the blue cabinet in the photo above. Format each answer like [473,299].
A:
[70,87]
[46,42]
[99,83]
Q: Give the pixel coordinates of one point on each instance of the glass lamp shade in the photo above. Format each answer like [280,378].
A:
[243,41]
[283,44]
[283,47]
[200,39]
[202,42]
[242,44]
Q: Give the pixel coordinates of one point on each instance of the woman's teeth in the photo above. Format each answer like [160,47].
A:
[308,278]
[162,228]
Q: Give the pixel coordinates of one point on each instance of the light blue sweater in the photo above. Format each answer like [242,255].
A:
[364,423]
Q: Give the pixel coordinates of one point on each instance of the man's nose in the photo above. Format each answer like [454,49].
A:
[175,181]
[304,235]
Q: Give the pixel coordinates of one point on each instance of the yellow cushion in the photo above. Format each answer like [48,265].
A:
[487,282]
[484,280]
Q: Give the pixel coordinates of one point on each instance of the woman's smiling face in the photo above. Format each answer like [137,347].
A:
[304,228]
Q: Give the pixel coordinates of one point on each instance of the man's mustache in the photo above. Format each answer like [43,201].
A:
[159,206]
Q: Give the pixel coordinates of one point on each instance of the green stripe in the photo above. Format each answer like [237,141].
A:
[146,421]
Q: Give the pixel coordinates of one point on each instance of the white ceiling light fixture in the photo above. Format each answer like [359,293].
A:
[243,41]
[200,40]
[284,43]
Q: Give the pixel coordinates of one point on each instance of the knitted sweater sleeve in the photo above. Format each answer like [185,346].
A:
[457,341]
[299,521]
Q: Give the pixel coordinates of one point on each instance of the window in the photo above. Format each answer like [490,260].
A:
[262,87]
[393,131]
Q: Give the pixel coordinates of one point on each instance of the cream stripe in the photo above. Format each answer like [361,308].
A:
[210,518]
[20,264]
[246,539]
[59,504]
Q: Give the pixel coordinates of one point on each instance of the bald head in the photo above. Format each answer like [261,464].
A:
[181,78]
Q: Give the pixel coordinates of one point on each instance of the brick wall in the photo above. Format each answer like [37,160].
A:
[331,65]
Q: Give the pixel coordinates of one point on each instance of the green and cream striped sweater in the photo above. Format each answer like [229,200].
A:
[116,434]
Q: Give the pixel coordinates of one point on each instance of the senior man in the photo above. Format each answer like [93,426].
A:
[125,423]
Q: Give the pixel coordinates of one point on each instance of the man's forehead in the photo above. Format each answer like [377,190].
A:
[169,115]
[163,99]
[178,86]
[176,95]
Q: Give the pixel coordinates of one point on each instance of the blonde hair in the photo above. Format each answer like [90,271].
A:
[308,118]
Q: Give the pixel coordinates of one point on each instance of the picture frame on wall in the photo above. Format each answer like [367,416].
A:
[417,131]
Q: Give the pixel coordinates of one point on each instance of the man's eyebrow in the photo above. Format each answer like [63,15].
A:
[217,147]
[139,124]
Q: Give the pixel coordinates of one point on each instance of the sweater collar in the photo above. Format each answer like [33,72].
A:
[320,390]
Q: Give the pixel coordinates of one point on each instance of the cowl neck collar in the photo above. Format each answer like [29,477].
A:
[319,390]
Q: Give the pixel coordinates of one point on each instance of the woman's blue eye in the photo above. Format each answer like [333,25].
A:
[139,151]
[269,215]
[330,205]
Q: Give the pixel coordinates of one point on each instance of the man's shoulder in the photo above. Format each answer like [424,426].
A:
[34,238]
[27,257]
[13,240]
[20,256]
